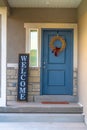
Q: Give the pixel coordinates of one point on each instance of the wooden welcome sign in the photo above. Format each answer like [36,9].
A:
[23,77]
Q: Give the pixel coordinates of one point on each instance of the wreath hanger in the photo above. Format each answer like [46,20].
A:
[57,50]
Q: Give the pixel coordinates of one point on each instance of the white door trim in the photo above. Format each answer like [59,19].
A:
[3,13]
[40,26]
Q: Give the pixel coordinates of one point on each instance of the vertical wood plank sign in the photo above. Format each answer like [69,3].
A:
[23,77]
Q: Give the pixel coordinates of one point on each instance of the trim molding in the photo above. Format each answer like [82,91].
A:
[3,13]
[40,26]
[12,65]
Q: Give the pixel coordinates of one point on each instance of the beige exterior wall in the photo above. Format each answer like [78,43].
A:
[0,55]
[16,31]
[34,73]
[82,75]
[16,44]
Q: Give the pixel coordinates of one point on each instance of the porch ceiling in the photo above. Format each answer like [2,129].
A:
[41,3]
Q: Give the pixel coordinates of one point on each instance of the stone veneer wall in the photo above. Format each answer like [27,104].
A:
[75,82]
[33,86]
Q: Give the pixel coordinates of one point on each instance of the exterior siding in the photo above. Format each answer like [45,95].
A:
[16,31]
[16,44]
[82,65]
[0,55]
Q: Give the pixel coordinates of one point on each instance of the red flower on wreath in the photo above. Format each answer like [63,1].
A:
[56,51]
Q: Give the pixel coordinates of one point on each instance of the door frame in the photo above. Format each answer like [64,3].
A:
[41,26]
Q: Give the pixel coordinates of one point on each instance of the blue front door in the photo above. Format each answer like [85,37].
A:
[57,71]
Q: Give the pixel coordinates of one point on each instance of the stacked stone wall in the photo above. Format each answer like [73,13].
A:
[12,83]
[33,85]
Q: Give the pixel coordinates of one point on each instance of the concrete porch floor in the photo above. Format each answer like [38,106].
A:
[37,116]
[42,126]
[37,104]
[33,107]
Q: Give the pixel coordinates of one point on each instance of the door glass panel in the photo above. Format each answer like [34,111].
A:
[33,48]
[0,55]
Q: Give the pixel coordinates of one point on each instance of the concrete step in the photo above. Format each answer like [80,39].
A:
[42,126]
[41,118]
[56,98]
[71,108]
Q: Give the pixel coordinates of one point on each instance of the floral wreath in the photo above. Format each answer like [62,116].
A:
[57,50]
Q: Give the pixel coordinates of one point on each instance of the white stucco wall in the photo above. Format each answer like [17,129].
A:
[82,66]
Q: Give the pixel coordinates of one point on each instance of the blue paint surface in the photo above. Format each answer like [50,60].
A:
[57,72]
